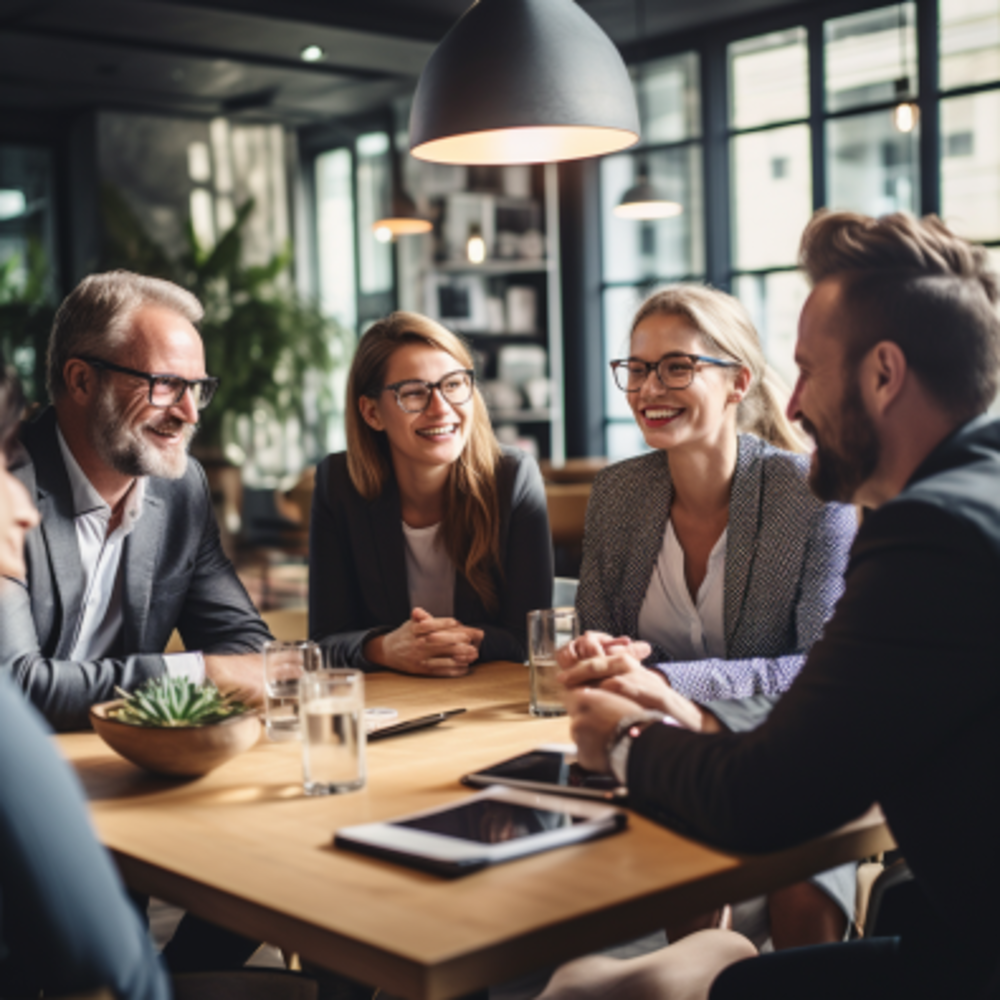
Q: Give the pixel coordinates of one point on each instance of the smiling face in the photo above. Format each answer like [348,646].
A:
[827,401]
[131,435]
[433,438]
[703,414]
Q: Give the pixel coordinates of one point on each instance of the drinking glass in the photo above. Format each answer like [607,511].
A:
[548,631]
[333,731]
[284,665]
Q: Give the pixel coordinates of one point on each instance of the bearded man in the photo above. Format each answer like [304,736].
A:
[899,356]
[128,549]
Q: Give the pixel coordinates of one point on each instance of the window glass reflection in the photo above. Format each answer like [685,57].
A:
[664,248]
[871,166]
[969,42]
[970,165]
[374,180]
[772,196]
[335,237]
[769,79]
[774,302]
[871,57]
[669,99]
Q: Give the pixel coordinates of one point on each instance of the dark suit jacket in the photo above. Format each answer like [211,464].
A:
[176,576]
[357,563]
[896,703]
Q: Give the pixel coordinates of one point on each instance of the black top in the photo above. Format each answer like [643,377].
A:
[896,704]
[357,563]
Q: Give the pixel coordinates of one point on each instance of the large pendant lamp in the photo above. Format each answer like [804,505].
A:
[523,81]
[404,219]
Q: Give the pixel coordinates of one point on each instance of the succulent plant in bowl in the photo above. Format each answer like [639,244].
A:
[173,726]
[172,702]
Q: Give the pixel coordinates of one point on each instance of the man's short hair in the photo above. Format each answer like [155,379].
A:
[94,318]
[914,282]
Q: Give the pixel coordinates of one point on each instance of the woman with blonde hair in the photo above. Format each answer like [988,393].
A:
[712,551]
[429,541]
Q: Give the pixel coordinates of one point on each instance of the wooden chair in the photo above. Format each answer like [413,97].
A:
[567,504]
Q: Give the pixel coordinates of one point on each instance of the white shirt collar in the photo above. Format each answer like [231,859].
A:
[86,499]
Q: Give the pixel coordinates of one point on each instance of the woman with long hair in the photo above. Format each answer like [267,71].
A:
[728,568]
[429,542]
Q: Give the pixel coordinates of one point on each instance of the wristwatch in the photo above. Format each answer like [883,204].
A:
[628,728]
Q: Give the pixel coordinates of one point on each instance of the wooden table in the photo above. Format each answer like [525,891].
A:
[245,848]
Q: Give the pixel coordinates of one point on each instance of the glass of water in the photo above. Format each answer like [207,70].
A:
[548,631]
[333,731]
[284,665]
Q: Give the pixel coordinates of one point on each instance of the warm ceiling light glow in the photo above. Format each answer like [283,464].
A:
[312,53]
[523,81]
[538,144]
[648,210]
[404,226]
[905,116]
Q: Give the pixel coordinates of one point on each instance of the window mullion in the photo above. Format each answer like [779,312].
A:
[817,102]
[929,103]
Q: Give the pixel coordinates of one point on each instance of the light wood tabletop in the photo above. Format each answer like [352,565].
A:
[244,847]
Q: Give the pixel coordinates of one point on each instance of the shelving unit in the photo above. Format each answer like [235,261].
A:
[505,306]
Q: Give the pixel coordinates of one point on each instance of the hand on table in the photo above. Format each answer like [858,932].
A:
[427,646]
[624,676]
[592,644]
[237,674]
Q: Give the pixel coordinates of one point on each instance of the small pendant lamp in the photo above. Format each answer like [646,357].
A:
[523,81]
[644,201]
[404,219]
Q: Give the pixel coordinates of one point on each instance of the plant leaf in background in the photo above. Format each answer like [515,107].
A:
[271,348]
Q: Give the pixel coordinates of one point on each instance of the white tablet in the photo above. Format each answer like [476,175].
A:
[551,768]
[492,826]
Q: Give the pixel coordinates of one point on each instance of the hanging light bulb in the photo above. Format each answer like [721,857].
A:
[906,112]
[523,81]
[644,201]
[475,246]
[904,116]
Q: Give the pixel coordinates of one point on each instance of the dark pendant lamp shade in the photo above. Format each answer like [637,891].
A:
[645,201]
[523,81]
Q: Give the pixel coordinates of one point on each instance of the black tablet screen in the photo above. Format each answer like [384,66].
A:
[551,767]
[491,822]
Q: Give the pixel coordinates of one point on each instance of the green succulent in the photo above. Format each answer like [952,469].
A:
[175,702]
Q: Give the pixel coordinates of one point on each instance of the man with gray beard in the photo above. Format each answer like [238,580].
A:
[128,549]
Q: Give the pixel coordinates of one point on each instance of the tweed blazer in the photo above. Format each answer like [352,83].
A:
[785,558]
[175,576]
[357,563]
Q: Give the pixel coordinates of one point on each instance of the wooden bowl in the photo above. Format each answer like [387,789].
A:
[184,752]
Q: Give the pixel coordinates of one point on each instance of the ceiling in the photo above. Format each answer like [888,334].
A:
[242,57]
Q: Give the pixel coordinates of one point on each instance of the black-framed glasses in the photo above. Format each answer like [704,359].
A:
[164,389]
[414,395]
[675,370]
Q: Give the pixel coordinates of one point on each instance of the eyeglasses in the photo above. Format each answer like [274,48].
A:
[675,370]
[164,390]
[414,395]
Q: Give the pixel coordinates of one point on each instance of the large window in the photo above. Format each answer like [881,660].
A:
[890,108]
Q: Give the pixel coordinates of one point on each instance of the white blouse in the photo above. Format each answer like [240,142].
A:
[430,576]
[685,629]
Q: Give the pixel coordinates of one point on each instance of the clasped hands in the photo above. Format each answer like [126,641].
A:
[606,683]
[425,645]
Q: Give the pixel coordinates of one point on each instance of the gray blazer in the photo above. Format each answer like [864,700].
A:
[785,558]
[175,576]
[357,563]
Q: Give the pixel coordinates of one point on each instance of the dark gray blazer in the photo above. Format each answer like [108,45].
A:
[785,558]
[357,563]
[176,576]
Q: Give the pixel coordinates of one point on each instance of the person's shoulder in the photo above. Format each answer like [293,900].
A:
[631,473]
[786,478]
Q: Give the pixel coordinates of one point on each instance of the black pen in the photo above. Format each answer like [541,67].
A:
[424,722]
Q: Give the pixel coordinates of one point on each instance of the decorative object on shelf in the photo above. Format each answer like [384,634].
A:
[522,309]
[464,213]
[457,300]
[505,86]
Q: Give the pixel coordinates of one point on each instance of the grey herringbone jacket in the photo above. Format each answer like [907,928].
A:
[785,558]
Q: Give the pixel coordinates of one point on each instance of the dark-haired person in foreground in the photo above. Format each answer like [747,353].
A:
[898,351]
[66,925]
